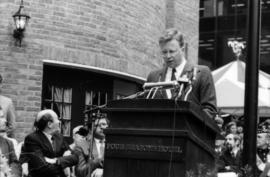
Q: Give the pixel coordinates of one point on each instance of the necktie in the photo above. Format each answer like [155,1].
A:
[233,154]
[173,74]
[172,79]
[53,143]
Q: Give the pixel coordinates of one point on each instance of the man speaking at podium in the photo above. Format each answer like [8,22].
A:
[175,66]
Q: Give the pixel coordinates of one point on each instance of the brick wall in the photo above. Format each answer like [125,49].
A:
[187,20]
[114,34]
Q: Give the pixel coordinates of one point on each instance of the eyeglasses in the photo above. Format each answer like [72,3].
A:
[169,52]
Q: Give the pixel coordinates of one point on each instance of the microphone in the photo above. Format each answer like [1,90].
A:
[166,84]
[94,108]
[149,85]
[136,95]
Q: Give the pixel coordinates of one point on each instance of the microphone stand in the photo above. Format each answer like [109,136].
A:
[153,87]
[93,114]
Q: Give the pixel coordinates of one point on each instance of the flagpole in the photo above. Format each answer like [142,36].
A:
[251,83]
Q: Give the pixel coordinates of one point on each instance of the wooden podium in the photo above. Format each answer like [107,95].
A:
[157,138]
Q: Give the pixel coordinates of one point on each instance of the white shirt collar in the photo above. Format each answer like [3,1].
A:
[49,136]
[98,141]
[234,151]
[179,69]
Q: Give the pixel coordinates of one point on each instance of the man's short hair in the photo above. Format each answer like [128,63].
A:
[43,117]
[96,123]
[170,34]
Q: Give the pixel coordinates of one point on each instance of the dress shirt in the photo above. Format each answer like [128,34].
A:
[178,71]
[234,152]
[49,136]
[100,144]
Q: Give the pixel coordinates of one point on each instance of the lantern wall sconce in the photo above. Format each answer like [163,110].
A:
[20,20]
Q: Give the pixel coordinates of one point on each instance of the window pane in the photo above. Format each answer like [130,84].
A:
[48,92]
[65,127]
[103,98]
[58,109]
[67,95]
[58,92]
[88,98]
[66,111]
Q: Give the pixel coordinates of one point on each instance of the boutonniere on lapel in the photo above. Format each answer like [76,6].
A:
[192,76]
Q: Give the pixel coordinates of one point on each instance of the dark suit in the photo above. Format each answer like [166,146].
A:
[262,154]
[203,90]
[37,147]
[226,159]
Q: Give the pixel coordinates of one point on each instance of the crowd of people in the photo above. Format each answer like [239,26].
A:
[44,152]
[229,147]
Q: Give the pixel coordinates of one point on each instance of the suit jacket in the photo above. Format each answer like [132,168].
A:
[8,114]
[226,159]
[7,149]
[82,151]
[262,157]
[203,90]
[37,147]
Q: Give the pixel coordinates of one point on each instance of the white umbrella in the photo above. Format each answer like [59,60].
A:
[230,88]
[236,71]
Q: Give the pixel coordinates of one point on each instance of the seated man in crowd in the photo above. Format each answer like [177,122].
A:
[47,142]
[9,164]
[92,165]
[98,148]
[263,153]
[231,158]
[80,147]
[89,165]
[219,146]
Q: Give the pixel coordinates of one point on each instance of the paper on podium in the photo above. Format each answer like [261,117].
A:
[227,174]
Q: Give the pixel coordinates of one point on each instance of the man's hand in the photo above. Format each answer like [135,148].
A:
[228,168]
[51,161]
[97,172]
[25,171]
[98,161]
[67,172]
[67,153]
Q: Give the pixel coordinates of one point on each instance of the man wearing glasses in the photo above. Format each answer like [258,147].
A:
[99,146]
[92,165]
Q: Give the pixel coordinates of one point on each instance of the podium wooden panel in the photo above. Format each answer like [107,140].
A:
[157,138]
